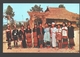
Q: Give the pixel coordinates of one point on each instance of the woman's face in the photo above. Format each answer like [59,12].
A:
[22,27]
[58,26]
[46,25]
[40,25]
[69,23]
[35,26]
[52,25]
[8,27]
[63,24]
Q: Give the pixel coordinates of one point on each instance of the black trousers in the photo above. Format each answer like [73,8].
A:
[9,42]
[16,41]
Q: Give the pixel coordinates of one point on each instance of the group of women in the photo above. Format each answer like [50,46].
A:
[54,36]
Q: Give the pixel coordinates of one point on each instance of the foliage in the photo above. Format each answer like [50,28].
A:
[36,8]
[9,14]
[61,6]
[9,11]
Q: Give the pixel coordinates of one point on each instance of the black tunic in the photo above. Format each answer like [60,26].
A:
[35,30]
[8,35]
[71,32]
[22,34]
[28,31]
[39,32]
[15,34]
[24,38]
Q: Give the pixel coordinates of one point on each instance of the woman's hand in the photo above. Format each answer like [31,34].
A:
[38,36]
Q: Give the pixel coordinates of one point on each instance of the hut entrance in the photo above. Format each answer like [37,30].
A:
[56,20]
[37,21]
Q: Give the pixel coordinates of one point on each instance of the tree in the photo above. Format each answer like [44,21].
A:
[61,6]
[37,8]
[9,14]
[27,19]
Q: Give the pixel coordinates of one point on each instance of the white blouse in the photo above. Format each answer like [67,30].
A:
[64,31]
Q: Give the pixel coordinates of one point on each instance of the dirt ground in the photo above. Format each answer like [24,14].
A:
[41,50]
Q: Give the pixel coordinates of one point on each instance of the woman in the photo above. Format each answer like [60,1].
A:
[47,35]
[15,36]
[35,36]
[71,35]
[59,36]
[28,36]
[40,36]
[65,35]
[8,36]
[53,35]
[22,34]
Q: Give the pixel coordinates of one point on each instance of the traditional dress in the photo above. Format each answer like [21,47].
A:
[47,36]
[71,36]
[23,38]
[15,37]
[28,37]
[64,36]
[40,34]
[59,35]
[35,36]
[20,35]
[8,36]
[53,35]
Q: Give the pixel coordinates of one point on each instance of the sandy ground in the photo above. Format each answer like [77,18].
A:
[41,50]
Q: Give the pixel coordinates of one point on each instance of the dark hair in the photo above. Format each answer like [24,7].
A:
[28,25]
[46,23]
[59,25]
[22,25]
[35,24]
[40,23]
[64,23]
[70,22]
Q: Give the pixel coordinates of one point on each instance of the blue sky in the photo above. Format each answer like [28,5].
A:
[21,9]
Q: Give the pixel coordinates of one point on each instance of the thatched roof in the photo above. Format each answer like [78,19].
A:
[56,13]
[60,13]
